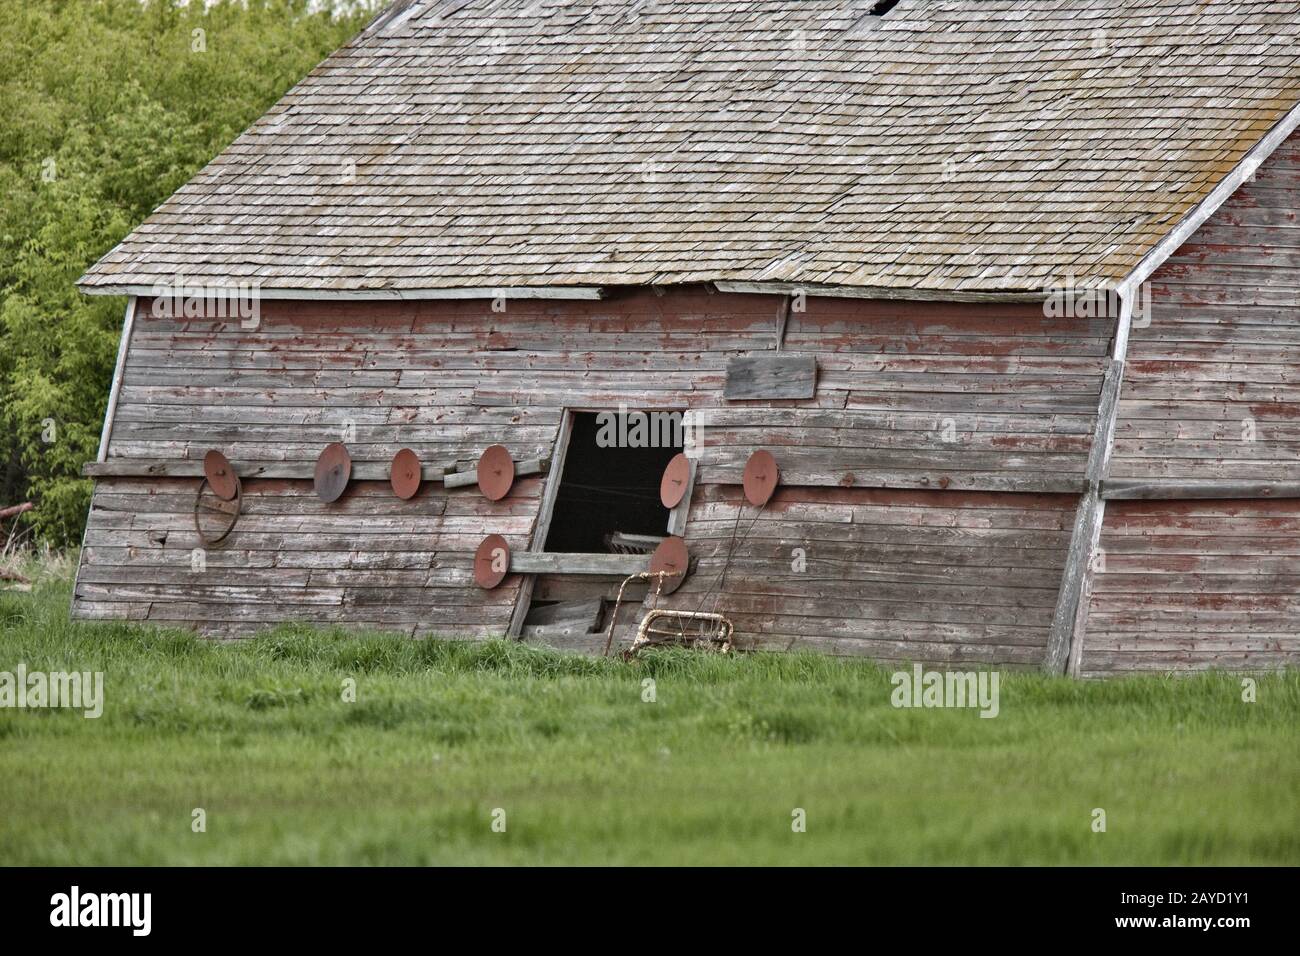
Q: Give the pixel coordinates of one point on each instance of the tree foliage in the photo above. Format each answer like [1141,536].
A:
[106,108]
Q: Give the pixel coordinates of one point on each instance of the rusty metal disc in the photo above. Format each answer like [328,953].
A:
[672,486]
[214,516]
[221,475]
[405,474]
[491,562]
[671,556]
[761,476]
[496,473]
[333,469]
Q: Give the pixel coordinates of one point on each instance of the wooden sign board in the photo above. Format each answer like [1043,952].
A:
[770,376]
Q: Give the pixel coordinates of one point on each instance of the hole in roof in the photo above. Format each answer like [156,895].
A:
[881,7]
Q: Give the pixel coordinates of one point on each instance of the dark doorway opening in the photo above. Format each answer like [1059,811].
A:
[609,488]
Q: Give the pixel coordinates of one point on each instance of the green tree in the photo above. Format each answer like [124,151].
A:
[106,108]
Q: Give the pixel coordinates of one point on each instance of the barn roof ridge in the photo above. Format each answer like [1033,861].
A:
[563,146]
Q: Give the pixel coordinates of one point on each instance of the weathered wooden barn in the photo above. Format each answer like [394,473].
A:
[1008,289]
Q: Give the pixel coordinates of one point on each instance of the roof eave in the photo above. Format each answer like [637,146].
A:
[355,295]
[574,292]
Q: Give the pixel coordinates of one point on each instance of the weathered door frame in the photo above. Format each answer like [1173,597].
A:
[550,492]
[542,526]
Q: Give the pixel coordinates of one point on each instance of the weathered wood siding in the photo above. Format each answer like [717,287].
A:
[927,395]
[1212,383]
[916,395]
[952,577]
[1211,391]
[366,560]
[1188,585]
[1019,390]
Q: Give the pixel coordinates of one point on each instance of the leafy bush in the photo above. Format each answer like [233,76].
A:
[106,108]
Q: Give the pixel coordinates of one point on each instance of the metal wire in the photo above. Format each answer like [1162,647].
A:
[720,580]
[722,637]
[640,575]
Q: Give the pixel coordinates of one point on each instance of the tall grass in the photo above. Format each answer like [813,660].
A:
[259,736]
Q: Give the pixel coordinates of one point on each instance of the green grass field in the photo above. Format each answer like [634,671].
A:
[442,734]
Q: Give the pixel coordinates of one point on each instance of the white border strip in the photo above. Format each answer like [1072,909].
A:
[119,370]
[366,295]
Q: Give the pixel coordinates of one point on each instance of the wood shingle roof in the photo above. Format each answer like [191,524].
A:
[950,146]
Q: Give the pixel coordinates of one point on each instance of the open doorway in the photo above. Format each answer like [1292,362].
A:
[609,486]
[606,502]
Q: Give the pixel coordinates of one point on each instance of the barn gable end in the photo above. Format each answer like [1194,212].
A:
[843,240]
[1210,407]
